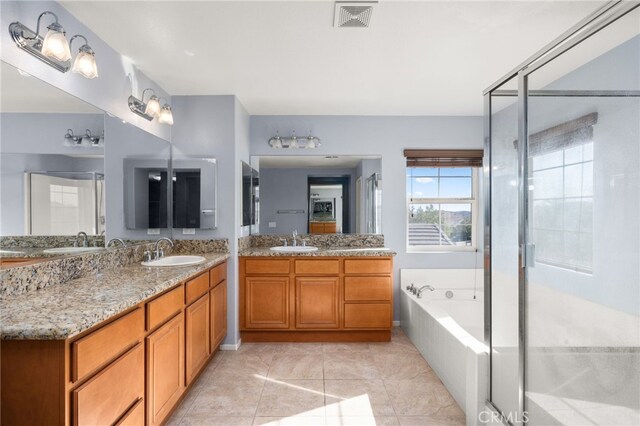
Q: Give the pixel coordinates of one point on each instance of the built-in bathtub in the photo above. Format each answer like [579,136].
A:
[447,327]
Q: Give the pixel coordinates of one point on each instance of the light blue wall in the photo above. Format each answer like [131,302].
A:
[108,92]
[385,136]
[217,126]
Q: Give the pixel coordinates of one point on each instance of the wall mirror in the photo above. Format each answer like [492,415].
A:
[194,182]
[319,194]
[52,170]
[137,182]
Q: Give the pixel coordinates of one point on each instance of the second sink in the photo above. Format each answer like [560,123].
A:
[294,249]
[175,261]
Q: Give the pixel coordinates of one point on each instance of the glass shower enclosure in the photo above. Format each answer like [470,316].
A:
[562,233]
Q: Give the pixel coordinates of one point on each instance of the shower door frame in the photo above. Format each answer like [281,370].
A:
[599,19]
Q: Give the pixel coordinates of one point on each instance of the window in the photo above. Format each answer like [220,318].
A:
[442,200]
[561,193]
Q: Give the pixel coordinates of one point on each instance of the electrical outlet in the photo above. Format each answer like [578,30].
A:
[188,231]
[153,231]
[272,224]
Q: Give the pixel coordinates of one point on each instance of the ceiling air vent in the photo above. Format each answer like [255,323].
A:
[353,14]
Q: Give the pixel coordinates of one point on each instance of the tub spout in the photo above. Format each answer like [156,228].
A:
[423,288]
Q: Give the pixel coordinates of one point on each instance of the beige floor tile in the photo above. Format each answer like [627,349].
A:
[350,366]
[362,421]
[395,346]
[431,421]
[237,397]
[297,348]
[282,398]
[420,397]
[238,365]
[357,398]
[289,421]
[207,420]
[296,367]
[345,347]
[256,348]
[185,404]
[401,366]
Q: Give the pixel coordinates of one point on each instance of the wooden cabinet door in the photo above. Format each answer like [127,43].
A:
[165,369]
[330,228]
[317,302]
[316,228]
[218,302]
[266,302]
[197,335]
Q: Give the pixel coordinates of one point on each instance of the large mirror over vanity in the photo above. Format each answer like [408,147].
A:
[318,194]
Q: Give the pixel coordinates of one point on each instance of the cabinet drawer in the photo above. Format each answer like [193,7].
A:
[367,288]
[266,266]
[367,315]
[367,266]
[104,344]
[107,396]
[164,307]
[197,287]
[317,266]
[218,274]
[135,415]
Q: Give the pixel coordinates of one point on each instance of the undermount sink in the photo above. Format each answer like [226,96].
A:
[175,261]
[72,249]
[294,249]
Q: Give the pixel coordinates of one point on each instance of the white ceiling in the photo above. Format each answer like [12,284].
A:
[417,58]
[20,92]
[309,161]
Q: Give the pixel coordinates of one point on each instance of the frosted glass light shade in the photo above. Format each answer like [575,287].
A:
[56,46]
[165,116]
[85,65]
[153,107]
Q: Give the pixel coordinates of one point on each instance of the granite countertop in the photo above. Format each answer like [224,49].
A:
[62,311]
[322,251]
[30,252]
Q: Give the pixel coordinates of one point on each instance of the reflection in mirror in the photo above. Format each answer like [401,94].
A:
[137,186]
[319,194]
[250,197]
[194,193]
[52,172]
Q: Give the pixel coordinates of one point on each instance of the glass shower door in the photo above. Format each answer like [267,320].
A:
[583,214]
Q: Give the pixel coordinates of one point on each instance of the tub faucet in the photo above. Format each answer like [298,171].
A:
[158,252]
[421,289]
[85,238]
[411,288]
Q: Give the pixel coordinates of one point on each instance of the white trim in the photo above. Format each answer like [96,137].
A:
[231,346]
[396,323]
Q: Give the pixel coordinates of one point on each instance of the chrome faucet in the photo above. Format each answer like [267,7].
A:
[421,289]
[295,237]
[158,252]
[85,238]
[119,240]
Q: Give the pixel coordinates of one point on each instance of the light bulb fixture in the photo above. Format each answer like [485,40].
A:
[152,108]
[72,139]
[95,140]
[165,116]
[294,142]
[85,62]
[53,48]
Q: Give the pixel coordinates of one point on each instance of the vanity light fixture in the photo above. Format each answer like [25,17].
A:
[90,140]
[151,108]
[53,49]
[294,142]
[72,139]
[95,140]
[85,63]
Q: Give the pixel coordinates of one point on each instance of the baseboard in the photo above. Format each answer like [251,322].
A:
[396,323]
[231,346]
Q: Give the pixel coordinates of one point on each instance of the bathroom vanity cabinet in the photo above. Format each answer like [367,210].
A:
[298,298]
[132,369]
[322,227]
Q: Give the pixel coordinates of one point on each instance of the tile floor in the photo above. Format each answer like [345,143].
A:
[319,384]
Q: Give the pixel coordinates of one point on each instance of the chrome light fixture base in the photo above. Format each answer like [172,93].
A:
[27,40]
[138,106]
[294,142]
